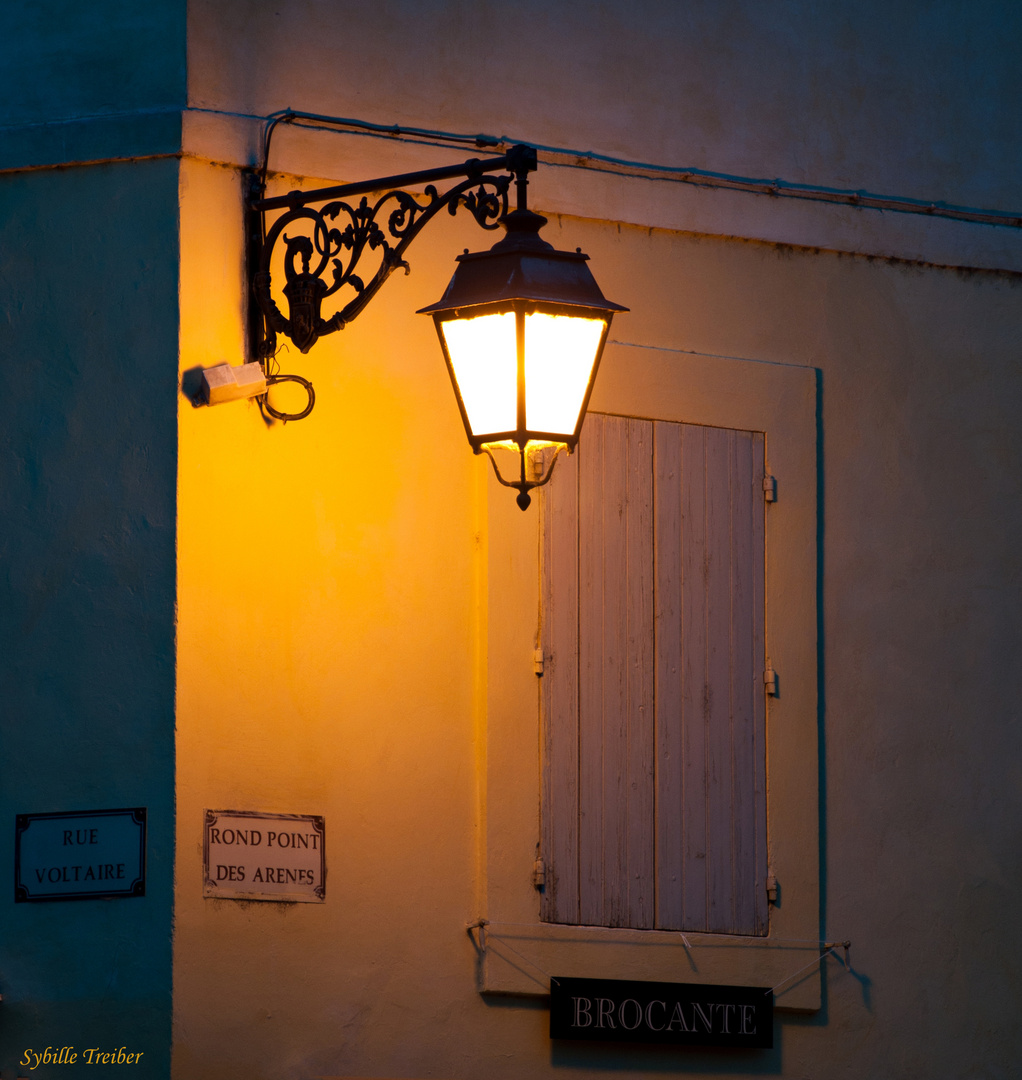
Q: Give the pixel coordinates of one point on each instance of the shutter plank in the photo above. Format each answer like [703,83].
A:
[744,687]
[591,676]
[608,630]
[668,615]
[614,647]
[639,791]
[559,690]
[717,714]
[694,683]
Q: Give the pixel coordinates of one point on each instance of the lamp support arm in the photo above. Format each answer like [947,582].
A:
[321,257]
[517,159]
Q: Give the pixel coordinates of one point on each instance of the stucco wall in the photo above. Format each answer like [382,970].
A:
[334,576]
[328,588]
[88,292]
[65,60]
[906,99]
[332,598]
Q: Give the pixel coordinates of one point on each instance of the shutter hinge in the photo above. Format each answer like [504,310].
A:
[771,887]
[538,874]
[770,488]
[537,661]
[770,681]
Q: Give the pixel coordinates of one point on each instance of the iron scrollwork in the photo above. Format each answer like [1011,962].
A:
[321,260]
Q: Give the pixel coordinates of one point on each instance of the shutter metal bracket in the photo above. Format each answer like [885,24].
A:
[538,874]
[770,488]
[537,661]
[770,681]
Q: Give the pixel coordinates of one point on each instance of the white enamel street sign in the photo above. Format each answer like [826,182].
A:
[248,855]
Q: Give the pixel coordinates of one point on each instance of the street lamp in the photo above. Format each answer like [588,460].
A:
[522,326]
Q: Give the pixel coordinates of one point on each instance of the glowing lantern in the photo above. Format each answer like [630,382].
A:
[522,327]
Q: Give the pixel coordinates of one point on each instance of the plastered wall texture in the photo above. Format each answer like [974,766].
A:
[893,98]
[89,336]
[331,576]
[365,713]
[90,82]
[88,294]
[66,61]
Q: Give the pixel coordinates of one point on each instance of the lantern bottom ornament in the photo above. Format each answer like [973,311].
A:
[535,458]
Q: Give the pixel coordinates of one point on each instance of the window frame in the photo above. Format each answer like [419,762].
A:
[518,951]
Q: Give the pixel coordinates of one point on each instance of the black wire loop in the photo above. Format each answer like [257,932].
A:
[272,380]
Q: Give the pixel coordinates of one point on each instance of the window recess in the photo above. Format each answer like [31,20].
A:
[655,393]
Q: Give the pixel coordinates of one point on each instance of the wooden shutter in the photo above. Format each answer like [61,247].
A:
[654,809]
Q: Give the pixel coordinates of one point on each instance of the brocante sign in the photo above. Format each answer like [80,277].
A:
[684,1014]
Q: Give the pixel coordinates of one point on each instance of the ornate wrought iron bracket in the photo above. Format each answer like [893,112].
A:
[322,254]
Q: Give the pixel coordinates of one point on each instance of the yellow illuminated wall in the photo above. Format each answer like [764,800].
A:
[332,655]
[329,595]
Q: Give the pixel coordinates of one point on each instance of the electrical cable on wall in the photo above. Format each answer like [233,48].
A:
[591,160]
[265,341]
[274,378]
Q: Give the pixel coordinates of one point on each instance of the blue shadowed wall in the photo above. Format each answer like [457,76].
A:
[87,586]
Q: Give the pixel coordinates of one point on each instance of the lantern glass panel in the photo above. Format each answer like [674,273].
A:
[484,357]
[560,351]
